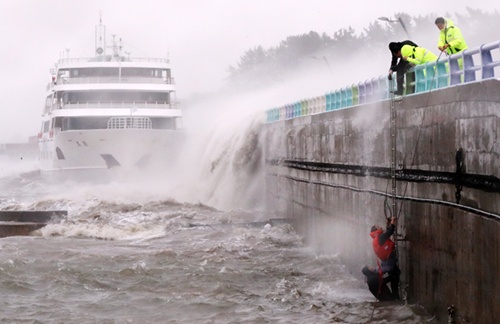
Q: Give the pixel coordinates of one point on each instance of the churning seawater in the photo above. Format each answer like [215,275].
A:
[116,260]
[191,246]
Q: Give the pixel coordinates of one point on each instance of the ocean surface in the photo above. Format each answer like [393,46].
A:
[191,244]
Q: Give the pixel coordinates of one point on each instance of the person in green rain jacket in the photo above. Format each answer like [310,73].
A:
[417,55]
[451,40]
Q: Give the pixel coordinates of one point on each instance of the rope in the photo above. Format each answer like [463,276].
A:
[480,212]
[371,317]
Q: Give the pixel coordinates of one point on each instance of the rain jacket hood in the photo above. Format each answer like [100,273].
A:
[452,36]
[448,23]
[376,233]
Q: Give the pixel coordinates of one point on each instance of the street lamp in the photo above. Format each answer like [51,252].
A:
[399,20]
[324,59]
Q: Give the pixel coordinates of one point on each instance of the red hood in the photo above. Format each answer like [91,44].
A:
[376,233]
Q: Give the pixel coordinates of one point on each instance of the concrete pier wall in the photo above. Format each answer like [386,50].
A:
[24,222]
[330,174]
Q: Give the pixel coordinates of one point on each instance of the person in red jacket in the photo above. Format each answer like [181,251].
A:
[384,248]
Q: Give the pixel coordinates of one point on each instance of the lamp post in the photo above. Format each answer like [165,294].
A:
[400,21]
[324,59]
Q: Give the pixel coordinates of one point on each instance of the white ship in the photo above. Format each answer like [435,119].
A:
[110,111]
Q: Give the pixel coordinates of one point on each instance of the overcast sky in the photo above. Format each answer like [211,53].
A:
[202,37]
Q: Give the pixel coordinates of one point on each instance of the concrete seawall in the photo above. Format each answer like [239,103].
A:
[331,174]
[24,222]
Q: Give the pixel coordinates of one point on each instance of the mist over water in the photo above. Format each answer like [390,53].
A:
[187,243]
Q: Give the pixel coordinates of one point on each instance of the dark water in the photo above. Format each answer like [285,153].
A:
[191,246]
[162,261]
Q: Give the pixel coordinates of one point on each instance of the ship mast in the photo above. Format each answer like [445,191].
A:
[100,39]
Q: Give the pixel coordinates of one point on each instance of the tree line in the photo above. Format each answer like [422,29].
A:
[261,66]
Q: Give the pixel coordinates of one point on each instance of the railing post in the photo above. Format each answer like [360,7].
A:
[410,81]
[362,93]
[355,94]
[348,91]
[442,73]
[338,99]
[486,60]
[376,89]
[469,73]
[303,107]
[390,84]
[343,96]
[368,91]
[455,73]
[420,80]
[430,75]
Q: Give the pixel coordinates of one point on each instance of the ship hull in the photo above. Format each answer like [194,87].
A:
[109,114]
[108,149]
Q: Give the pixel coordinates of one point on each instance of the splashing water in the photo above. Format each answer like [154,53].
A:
[184,245]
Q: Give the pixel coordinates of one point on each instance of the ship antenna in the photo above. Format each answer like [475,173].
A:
[100,38]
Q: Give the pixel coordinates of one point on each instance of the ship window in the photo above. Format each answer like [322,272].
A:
[163,123]
[115,71]
[89,123]
[135,72]
[117,96]
[46,126]
[48,103]
[81,123]
[58,122]
[94,72]
[64,73]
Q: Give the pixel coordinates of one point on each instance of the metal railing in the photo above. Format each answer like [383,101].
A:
[110,58]
[117,104]
[468,66]
[129,122]
[116,79]
[110,79]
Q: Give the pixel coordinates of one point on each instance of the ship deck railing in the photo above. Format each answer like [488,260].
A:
[471,65]
[109,58]
[115,104]
[110,79]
